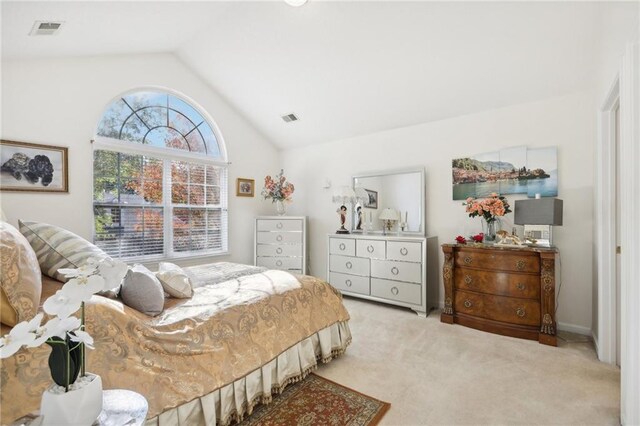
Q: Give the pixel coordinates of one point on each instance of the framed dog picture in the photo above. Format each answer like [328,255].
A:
[373,199]
[245,187]
[33,167]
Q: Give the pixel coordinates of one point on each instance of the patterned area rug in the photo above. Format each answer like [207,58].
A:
[318,401]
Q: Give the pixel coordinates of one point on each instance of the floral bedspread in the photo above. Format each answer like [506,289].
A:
[239,318]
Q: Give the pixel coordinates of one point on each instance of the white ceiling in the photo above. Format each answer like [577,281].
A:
[345,68]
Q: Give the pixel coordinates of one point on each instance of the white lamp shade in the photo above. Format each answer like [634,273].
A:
[389,214]
[344,195]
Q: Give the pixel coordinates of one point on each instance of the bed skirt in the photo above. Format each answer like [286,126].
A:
[232,402]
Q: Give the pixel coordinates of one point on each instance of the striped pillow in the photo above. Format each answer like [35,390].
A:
[58,248]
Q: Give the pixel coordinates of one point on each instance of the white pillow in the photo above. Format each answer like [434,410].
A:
[174,280]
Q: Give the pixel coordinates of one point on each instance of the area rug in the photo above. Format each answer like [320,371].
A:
[318,401]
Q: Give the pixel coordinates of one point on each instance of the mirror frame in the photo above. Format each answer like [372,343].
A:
[422,205]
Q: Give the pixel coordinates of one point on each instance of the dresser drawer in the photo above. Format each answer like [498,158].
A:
[512,310]
[498,261]
[349,265]
[374,249]
[469,303]
[279,237]
[394,290]
[279,225]
[285,263]
[405,251]
[343,246]
[499,308]
[279,250]
[351,283]
[399,271]
[498,283]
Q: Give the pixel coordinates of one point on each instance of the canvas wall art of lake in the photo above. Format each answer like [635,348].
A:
[510,171]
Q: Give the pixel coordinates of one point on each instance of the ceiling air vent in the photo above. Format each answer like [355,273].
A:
[290,118]
[46,28]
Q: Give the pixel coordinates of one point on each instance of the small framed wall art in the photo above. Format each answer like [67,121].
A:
[31,167]
[373,199]
[245,187]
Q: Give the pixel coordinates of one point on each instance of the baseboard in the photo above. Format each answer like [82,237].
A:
[572,328]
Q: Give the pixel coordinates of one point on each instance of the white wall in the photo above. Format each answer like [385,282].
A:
[619,25]
[566,122]
[59,102]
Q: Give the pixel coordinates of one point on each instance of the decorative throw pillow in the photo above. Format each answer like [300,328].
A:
[20,277]
[58,248]
[142,291]
[174,280]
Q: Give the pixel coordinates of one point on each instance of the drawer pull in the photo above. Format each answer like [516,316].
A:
[394,271]
[404,251]
[395,290]
[349,265]
[520,264]
[279,238]
[342,246]
[279,225]
[279,263]
[520,312]
[467,279]
[370,249]
[279,250]
[348,283]
[467,303]
[467,260]
[521,286]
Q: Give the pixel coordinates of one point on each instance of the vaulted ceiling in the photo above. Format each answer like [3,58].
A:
[345,68]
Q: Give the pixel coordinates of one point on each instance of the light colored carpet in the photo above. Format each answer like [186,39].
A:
[441,374]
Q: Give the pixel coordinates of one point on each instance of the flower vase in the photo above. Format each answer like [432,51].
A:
[489,228]
[80,406]
[280,208]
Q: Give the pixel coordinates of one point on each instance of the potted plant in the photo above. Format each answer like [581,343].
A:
[278,190]
[489,209]
[66,335]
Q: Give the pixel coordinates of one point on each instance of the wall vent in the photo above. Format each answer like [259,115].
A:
[290,118]
[46,28]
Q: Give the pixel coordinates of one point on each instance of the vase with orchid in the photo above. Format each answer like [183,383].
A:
[490,209]
[278,190]
[64,332]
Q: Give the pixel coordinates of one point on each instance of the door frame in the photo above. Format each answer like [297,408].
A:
[628,86]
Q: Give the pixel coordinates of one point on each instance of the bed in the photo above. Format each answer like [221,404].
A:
[245,334]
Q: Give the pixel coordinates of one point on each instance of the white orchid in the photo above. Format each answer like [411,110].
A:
[63,303]
[81,336]
[113,272]
[85,281]
[21,334]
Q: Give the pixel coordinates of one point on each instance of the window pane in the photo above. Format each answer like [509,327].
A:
[196,173]
[179,171]
[213,175]
[213,195]
[196,144]
[105,163]
[196,195]
[129,231]
[186,109]
[113,118]
[130,165]
[213,150]
[179,194]
[153,116]
[105,189]
[133,130]
[181,123]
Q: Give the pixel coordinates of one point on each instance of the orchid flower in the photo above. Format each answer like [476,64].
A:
[63,303]
[85,270]
[21,334]
[113,272]
[81,336]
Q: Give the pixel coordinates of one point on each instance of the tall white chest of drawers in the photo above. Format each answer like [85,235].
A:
[387,269]
[281,243]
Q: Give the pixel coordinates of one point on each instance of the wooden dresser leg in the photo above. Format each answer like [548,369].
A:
[447,275]
[548,300]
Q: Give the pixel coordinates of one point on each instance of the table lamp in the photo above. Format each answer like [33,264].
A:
[388,216]
[345,195]
[538,217]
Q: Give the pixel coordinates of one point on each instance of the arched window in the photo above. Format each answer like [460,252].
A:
[159,179]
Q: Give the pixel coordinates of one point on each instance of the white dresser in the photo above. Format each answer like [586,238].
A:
[387,269]
[281,243]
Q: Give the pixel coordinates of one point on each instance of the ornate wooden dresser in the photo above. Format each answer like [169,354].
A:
[502,290]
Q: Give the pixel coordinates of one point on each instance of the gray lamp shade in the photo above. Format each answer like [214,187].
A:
[543,211]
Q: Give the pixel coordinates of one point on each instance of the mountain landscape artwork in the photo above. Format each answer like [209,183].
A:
[515,170]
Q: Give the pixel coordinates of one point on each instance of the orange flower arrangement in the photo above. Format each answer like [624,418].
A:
[489,208]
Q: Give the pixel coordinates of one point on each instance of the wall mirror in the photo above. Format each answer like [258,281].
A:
[395,193]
